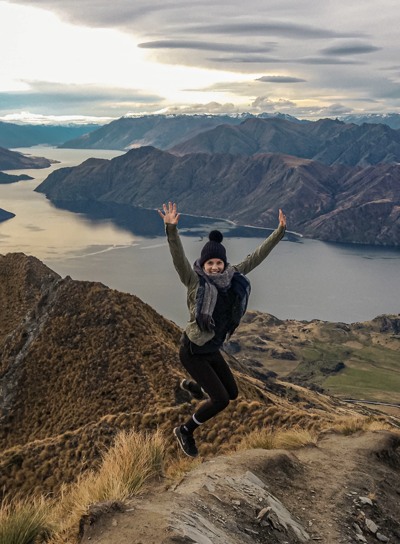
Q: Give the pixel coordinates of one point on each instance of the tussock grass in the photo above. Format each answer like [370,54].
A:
[177,469]
[24,521]
[281,439]
[133,460]
[264,439]
[295,438]
[356,424]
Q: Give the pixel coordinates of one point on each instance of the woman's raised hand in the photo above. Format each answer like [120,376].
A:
[169,213]
[282,218]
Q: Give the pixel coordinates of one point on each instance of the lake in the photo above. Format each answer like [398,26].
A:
[125,248]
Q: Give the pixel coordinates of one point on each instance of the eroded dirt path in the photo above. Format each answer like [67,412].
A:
[322,494]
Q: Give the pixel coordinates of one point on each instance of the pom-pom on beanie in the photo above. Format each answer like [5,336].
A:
[213,249]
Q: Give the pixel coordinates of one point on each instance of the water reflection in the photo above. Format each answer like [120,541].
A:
[147,223]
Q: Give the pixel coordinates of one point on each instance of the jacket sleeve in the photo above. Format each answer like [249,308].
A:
[263,250]
[181,263]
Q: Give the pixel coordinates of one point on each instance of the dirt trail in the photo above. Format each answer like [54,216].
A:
[323,494]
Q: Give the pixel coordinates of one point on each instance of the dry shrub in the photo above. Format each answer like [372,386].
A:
[281,439]
[134,459]
[263,438]
[24,521]
[176,469]
[350,425]
[295,438]
[354,424]
[378,425]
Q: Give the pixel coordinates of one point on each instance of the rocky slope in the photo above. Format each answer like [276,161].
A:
[80,361]
[333,203]
[12,160]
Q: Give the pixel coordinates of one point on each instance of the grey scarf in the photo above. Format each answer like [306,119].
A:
[207,294]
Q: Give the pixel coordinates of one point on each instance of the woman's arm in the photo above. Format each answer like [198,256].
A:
[257,257]
[170,217]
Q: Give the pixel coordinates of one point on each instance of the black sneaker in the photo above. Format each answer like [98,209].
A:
[186,442]
[193,388]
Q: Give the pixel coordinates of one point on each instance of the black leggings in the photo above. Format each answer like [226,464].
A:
[213,374]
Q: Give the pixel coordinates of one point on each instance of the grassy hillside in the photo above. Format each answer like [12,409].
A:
[80,362]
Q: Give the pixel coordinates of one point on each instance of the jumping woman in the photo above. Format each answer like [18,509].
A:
[217,296]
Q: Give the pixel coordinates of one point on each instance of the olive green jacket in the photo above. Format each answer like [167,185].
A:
[191,280]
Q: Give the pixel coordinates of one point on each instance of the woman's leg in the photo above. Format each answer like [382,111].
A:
[213,374]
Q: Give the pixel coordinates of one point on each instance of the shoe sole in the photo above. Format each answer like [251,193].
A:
[176,433]
[197,396]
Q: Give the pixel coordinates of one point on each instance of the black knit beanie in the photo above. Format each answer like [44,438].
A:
[213,249]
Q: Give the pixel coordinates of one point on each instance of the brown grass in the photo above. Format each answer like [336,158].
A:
[24,521]
[282,439]
[126,467]
[351,425]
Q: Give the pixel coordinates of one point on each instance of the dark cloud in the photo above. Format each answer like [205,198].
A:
[280,79]
[205,46]
[282,29]
[350,49]
[246,59]
[325,60]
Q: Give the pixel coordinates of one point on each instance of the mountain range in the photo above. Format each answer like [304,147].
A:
[327,141]
[25,135]
[306,138]
[332,203]
[392,120]
[161,131]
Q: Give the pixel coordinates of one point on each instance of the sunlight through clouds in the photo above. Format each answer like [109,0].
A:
[64,53]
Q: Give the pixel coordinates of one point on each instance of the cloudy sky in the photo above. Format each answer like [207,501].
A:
[102,59]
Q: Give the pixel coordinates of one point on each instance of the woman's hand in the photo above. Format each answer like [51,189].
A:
[170,214]
[282,218]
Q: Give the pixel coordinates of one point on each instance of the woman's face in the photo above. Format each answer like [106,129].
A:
[213,266]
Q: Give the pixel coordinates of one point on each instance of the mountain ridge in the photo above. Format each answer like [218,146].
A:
[332,203]
[328,141]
